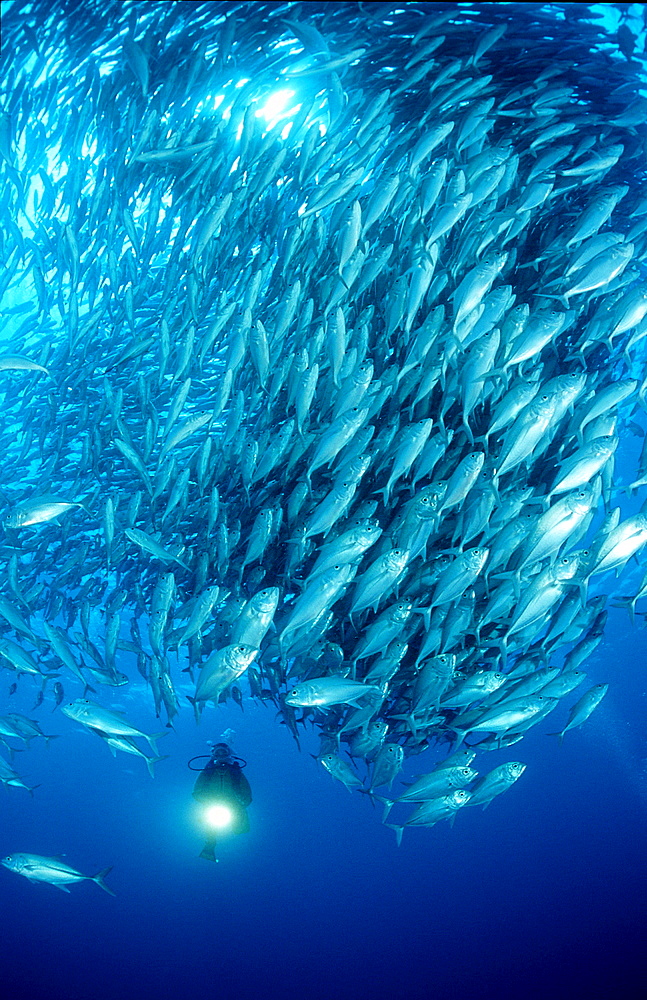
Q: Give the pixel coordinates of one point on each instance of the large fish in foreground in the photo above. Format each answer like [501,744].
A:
[96,717]
[52,870]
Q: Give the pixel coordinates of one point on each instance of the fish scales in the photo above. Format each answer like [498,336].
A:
[346,389]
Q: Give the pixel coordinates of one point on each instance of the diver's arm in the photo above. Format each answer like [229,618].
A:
[242,788]
[203,783]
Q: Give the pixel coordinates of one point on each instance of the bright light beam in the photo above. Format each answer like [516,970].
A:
[276,107]
[218,816]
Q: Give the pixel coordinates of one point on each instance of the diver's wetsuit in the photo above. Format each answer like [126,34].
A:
[224,781]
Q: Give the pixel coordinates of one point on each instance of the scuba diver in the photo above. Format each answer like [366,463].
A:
[224,791]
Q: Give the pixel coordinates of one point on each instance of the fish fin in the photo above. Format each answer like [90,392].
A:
[99,879]
[626,602]
[398,831]
[384,492]
[388,806]
[196,708]
[63,888]
[152,740]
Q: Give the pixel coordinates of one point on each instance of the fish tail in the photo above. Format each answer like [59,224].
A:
[150,761]
[388,806]
[398,831]
[152,740]
[384,493]
[196,708]
[99,879]
[411,719]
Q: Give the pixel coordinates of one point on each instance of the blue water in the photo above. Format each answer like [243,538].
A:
[542,895]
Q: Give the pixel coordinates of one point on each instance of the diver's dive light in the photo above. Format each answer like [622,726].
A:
[219,816]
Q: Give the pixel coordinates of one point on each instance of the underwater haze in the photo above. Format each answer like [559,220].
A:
[324,413]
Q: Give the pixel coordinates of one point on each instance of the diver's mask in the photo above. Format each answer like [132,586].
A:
[221,753]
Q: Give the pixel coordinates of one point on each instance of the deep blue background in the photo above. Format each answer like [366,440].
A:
[542,894]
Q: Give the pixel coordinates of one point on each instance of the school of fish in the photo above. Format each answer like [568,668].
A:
[322,324]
